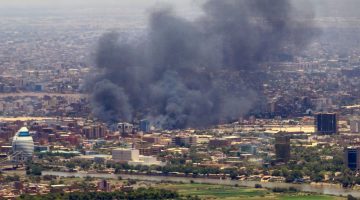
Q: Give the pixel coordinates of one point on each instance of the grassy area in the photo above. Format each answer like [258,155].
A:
[310,197]
[206,191]
[215,191]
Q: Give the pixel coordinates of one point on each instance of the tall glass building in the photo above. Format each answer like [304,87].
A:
[22,145]
[352,158]
[326,123]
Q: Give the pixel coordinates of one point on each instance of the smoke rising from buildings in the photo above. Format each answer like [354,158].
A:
[193,73]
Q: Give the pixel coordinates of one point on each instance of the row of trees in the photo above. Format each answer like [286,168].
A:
[139,194]
[186,169]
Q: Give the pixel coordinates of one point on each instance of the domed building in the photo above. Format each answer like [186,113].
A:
[22,145]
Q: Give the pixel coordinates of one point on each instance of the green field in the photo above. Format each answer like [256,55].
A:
[206,191]
[310,197]
[215,190]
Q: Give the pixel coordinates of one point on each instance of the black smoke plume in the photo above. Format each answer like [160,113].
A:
[193,73]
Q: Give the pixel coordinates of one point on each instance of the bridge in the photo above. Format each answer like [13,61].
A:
[11,161]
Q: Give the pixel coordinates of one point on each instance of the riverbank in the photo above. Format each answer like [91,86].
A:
[223,192]
[319,189]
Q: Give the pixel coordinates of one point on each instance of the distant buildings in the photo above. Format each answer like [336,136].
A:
[355,126]
[146,160]
[219,143]
[184,140]
[282,148]
[326,123]
[125,129]
[22,145]
[248,149]
[151,151]
[352,158]
[104,186]
[144,126]
[94,131]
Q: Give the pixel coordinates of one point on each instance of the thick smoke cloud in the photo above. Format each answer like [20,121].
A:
[183,73]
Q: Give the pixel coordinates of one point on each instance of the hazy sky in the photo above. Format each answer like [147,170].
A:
[348,8]
[92,3]
[89,7]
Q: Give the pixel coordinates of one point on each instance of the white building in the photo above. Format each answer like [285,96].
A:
[146,160]
[22,145]
[125,128]
[132,157]
[125,155]
[355,126]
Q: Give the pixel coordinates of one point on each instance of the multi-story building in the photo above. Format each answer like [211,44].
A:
[125,155]
[151,139]
[94,132]
[150,151]
[352,158]
[184,140]
[104,186]
[248,149]
[355,126]
[22,145]
[219,142]
[125,129]
[144,126]
[282,148]
[326,123]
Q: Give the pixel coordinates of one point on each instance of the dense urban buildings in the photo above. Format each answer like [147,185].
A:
[184,140]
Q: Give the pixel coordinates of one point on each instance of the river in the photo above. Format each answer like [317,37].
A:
[336,190]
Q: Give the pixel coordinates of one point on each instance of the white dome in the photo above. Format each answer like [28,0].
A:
[23,143]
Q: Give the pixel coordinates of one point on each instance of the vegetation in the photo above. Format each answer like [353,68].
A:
[13,178]
[48,154]
[206,191]
[140,193]
[33,169]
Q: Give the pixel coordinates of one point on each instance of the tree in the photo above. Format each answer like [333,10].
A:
[234,175]
[276,173]
[88,178]
[86,186]
[285,172]
[33,169]
[49,177]
[131,182]
[317,177]
[85,165]
[35,179]
[12,178]
[347,179]
[70,165]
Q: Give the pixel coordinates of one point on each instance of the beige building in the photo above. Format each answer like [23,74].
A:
[125,154]
[132,157]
